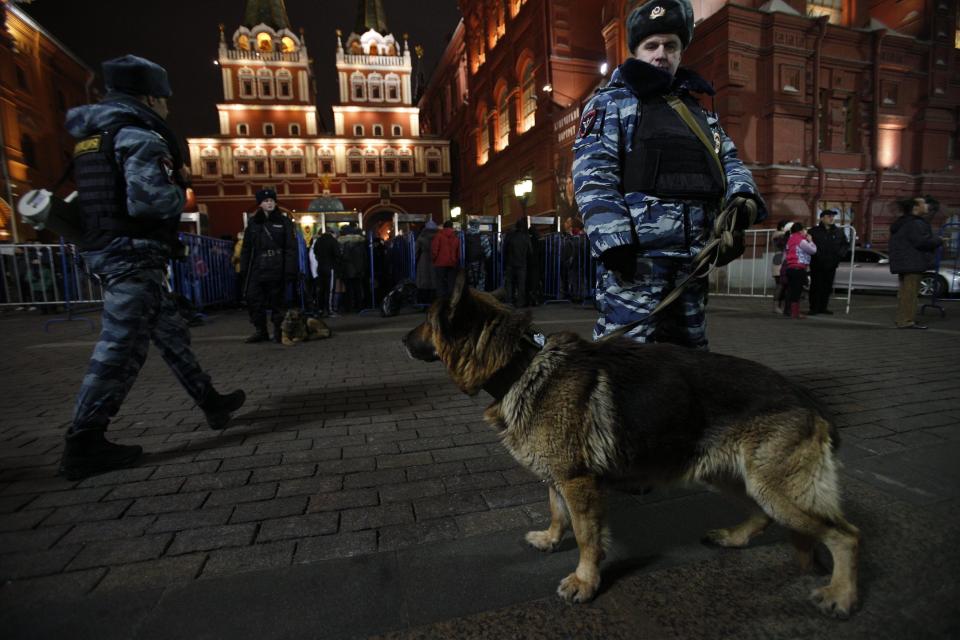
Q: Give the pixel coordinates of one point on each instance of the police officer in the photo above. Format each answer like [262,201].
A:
[832,248]
[649,184]
[131,177]
[270,258]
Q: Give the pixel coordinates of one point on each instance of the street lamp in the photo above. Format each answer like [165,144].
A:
[522,191]
[455,212]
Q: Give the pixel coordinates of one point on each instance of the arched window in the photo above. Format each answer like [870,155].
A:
[371,162]
[397,130]
[247,87]
[287,45]
[433,164]
[210,161]
[243,42]
[375,87]
[483,137]
[280,166]
[284,85]
[264,42]
[243,129]
[327,164]
[294,129]
[389,162]
[265,83]
[378,130]
[358,87]
[392,85]
[503,120]
[358,129]
[355,162]
[268,129]
[406,162]
[528,98]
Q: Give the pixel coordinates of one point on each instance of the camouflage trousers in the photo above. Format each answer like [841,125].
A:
[477,275]
[136,310]
[621,303]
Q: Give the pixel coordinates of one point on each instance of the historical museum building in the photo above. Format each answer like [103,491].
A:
[40,80]
[375,161]
[851,104]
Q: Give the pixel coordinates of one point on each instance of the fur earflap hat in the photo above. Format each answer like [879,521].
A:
[263,194]
[660,16]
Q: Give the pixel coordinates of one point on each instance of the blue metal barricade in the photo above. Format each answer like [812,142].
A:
[205,275]
[946,278]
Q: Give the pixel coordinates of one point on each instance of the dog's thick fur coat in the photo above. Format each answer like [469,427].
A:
[588,416]
[297,327]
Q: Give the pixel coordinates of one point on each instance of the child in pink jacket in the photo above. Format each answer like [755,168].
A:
[797,259]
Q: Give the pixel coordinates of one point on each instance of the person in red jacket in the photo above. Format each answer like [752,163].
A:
[445,251]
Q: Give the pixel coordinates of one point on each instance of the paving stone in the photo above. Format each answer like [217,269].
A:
[152,574]
[31,539]
[371,449]
[213,481]
[166,504]
[63,587]
[9,504]
[408,535]
[341,545]
[373,517]
[271,555]
[311,455]
[474,481]
[128,527]
[511,496]
[311,524]
[354,465]
[89,512]
[519,475]
[74,496]
[118,477]
[251,462]
[283,447]
[250,493]
[474,524]
[207,538]
[448,505]
[38,485]
[122,551]
[373,478]
[185,469]
[404,460]
[223,453]
[16,566]
[267,509]
[159,487]
[190,519]
[500,462]
[407,491]
[340,500]
[428,471]
[309,486]
[425,444]
[284,472]
[23,519]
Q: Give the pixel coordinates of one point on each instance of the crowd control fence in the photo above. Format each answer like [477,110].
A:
[947,270]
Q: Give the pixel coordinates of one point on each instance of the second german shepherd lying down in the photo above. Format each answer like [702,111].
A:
[585,416]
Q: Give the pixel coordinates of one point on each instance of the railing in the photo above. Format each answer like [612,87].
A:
[267,56]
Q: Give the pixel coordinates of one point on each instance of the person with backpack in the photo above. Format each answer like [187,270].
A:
[478,251]
[131,180]
[445,253]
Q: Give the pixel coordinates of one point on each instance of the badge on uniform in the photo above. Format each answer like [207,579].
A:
[586,123]
[166,165]
[716,142]
[87,145]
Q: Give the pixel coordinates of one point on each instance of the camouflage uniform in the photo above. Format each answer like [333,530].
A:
[667,233]
[137,308]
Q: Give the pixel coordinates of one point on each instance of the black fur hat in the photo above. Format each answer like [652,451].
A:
[137,76]
[263,194]
[660,16]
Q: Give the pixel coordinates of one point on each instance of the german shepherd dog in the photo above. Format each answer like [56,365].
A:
[589,416]
[297,327]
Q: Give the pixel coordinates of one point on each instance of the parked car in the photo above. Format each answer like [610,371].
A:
[871,271]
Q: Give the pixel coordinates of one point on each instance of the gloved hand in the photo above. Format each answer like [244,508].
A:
[622,259]
[746,215]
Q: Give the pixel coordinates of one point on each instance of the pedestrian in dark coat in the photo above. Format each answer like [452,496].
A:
[426,280]
[269,260]
[832,248]
[912,252]
[326,251]
[517,251]
[354,265]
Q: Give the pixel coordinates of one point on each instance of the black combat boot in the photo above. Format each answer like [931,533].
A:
[217,408]
[277,333]
[88,453]
[259,336]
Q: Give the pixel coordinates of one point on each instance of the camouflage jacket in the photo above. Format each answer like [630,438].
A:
[152,189]
[657,227]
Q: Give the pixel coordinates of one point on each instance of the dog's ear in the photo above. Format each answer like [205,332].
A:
[460,292]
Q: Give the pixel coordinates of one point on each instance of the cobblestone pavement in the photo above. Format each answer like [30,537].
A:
[347,447]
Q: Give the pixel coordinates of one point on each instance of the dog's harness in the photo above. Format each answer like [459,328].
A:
[500,382]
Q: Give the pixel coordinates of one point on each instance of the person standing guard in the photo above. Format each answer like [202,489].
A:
[649,187]
[131,182]
[832,247]
[913,251]
[270,258]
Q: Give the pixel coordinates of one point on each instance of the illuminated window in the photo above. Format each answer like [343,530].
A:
[358,129]
[397,130]
[831,8]
[243,42]
[375,87]
[247,88]
[284,84]
[503,120]
[483,139]
[243,129]
[287,44]
[264,42]
[354,161]
[378,130]
[243,167]
[528,98]
[294,129]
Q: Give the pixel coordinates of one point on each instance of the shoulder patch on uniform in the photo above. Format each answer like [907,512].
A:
[166,166]
[586,123]
[88,145]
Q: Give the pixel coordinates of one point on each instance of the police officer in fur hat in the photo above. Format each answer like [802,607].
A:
[652,168]
[268,261]
[131,177]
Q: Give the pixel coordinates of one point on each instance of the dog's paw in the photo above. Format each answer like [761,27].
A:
[542,540]
[724,538]
[573,589]
[833,601]
[287,342]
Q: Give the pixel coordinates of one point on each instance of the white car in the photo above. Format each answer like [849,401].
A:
[871,271]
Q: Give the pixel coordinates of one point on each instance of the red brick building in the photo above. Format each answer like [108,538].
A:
[40,80]
[375,161]
[855,109]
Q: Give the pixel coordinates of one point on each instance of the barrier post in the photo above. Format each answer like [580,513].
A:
[373,279]
[67,293]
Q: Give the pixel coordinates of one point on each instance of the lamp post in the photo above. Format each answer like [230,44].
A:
[522,191]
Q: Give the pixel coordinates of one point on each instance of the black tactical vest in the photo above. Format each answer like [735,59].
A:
[102,196]
[668,160]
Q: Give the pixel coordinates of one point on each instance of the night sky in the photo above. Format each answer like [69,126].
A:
[183,37]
